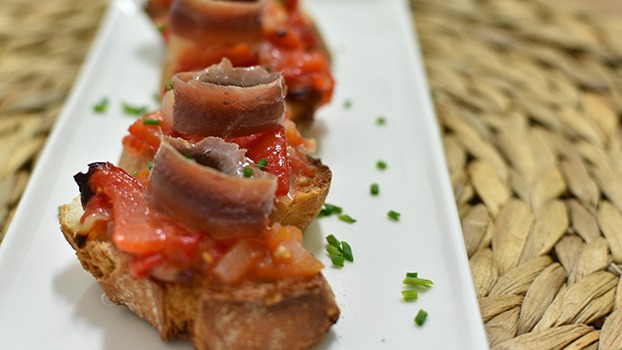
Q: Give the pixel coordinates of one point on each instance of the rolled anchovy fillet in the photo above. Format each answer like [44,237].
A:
[213,22]
[203,186]
[227,102]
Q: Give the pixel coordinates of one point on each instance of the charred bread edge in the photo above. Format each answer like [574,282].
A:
[277,315]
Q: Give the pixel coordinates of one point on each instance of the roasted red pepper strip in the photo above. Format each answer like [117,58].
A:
[138,229]
[271,145]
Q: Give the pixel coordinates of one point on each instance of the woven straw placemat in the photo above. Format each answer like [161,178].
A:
[527,93]
[42,46]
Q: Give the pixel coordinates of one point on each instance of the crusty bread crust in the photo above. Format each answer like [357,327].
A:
[276,315]
[310,194]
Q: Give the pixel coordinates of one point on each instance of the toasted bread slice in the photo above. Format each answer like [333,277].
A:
[254,315]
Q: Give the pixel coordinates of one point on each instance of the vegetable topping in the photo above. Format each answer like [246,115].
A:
[422,315]
[117,208]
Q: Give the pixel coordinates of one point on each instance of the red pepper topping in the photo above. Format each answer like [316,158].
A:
[272,146]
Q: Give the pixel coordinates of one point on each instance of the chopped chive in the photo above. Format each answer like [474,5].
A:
[332,250]
[150,165]
[374,189]
[333,208]
[418,282]
[381,120]
[339,251]
[151,122]
[248,172]
[101,106]
[412,274]
[346,218]
[168,86]
[347,104]
[422,315]
[134,110]
[188,155]
[410,295]
[381,165]
[393,215]
[338,260]
[262,163]
[162,28]
[333,241]
[347,251]
[329,209]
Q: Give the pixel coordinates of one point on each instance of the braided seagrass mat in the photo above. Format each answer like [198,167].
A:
[42,46]
[528,95]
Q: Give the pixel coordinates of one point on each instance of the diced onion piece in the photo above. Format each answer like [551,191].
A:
[236,262]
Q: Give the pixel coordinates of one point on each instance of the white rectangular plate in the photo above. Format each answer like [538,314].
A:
[48,301]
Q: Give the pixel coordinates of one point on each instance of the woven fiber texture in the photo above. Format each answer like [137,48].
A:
[42,46]
[528,95]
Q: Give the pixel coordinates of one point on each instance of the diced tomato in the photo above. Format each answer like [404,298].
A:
[271,145]
[290,5]
[241,55]
[197,57]
[144,139]
[296,262]
[300,166]
[141,265]
[302,70]
[284,38]
[278,234]
[287,257]
[182,248]
[293,135]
